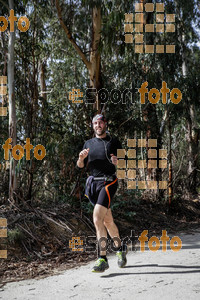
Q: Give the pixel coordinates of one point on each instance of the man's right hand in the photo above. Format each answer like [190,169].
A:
[83,154]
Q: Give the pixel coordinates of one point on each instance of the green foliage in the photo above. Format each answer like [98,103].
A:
[87,207]
[14,236]
[61,126]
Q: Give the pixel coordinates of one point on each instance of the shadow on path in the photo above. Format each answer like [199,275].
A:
[155,272]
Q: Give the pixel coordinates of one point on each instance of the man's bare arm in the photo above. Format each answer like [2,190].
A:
[114,159]
[82,155]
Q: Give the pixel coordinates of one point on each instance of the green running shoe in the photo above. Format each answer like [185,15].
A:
[100,266]
[122,261]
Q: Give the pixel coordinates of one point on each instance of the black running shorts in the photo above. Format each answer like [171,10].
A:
[102,192]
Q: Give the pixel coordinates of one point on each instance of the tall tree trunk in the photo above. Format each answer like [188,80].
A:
[43,89]
[42,80]
[170,188]
[95,58]
[150,117]
[12,110]
[93,64]
[153,131]
[34,95]
[192,134]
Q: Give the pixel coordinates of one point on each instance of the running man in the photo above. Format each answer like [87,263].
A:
[101,155]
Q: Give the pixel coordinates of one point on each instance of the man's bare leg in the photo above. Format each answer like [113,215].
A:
[114,233]
[112,228]
[98,219]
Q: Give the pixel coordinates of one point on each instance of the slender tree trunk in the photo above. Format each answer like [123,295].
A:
[93,64]
[192,137]
[95,58]
[153,131]
[34,96]
[4,98]
[12,110]
[43,89]
[159,173]
[192,134]
[170,189]
[150,118]
[42,80]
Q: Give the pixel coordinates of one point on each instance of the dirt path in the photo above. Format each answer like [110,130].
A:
[148,275]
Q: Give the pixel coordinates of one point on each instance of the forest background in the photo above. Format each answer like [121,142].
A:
[80,45]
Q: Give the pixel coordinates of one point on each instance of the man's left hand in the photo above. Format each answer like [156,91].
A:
[113,159]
